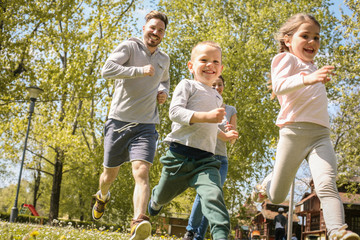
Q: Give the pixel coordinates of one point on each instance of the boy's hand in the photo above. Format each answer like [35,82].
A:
[320,75]
[213,116]
[216,115]
[149,70]
[161,97]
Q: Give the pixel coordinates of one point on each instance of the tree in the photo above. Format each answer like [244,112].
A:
[7,195]
[346,121]
[59,46]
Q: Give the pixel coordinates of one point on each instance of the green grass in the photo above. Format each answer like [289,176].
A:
[24,231]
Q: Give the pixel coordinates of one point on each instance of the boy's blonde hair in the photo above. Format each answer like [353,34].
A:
[209,43]
[291,26]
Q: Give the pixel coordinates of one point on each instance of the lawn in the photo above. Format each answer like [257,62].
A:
[22,231]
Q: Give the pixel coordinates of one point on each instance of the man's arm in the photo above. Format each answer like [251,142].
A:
[114,66]
[164,85]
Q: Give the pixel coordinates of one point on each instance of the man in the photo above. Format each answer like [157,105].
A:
[141,73]
[280,223]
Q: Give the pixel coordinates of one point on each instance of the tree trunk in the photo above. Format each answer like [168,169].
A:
[81,204]
[56,187]
[37,181]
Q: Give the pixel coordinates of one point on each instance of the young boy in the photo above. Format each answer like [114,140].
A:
[196,110]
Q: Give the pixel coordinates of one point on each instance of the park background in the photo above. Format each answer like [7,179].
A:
[61,46]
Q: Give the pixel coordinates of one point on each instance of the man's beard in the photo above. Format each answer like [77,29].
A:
[151,44]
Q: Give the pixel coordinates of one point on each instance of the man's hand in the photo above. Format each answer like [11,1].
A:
[149,70]
[161,97]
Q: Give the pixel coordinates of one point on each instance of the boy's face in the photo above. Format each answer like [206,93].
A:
[205,64]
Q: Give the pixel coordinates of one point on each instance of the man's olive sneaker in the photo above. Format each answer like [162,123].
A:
[99,206]
[140,228]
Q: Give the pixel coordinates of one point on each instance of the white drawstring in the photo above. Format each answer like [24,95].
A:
[125,127]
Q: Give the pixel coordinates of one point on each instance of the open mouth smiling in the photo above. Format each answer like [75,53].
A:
[208,72]
[309,50]
[154,38]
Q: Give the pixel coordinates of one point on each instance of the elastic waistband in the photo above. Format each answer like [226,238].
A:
[189,152]
[304,125]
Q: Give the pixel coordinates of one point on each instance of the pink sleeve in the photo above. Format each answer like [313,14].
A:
[284,76]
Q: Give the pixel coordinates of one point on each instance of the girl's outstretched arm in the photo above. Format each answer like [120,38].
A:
[320,75]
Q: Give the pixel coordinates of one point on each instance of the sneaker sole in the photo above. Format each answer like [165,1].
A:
[142,231]
[350,236]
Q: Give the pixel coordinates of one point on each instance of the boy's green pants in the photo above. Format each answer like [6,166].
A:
[180,172]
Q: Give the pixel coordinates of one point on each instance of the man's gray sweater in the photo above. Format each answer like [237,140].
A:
[135,96]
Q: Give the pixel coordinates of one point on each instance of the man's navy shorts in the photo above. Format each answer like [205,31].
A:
[126,141]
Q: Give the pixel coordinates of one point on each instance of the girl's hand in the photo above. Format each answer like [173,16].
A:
[321,75]
[232,135]
[229,127]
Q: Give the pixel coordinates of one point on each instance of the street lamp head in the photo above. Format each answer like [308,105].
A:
[34,91]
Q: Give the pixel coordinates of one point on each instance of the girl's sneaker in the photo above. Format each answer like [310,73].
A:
[259,192]
[343,234]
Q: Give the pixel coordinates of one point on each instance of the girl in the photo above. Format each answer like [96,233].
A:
[198,224]
[304,122]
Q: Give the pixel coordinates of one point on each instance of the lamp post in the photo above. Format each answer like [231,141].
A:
[34,92]
[290,215]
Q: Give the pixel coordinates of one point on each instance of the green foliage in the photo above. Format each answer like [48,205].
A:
[7,196]
[346,127]
[60,46]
